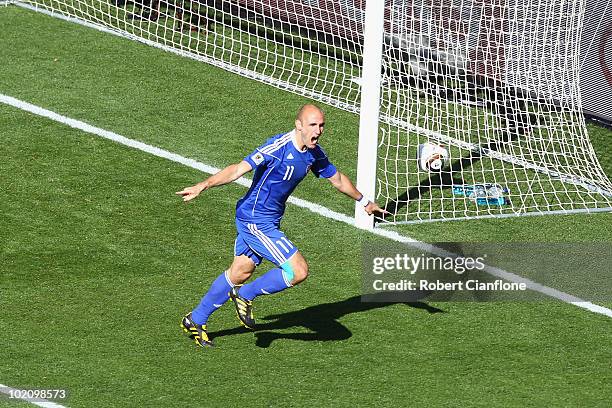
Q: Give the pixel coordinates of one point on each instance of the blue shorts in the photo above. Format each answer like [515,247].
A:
[263,240]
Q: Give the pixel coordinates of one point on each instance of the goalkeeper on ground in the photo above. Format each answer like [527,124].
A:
[280,164]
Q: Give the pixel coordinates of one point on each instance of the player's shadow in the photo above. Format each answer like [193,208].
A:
[321,320]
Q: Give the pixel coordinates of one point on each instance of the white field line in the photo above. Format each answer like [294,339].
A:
[316,208]
[40,402]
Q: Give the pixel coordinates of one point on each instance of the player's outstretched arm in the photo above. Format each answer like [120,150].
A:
[227,175]
[343,184]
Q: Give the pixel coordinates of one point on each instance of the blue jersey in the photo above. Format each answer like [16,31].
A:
[279,168]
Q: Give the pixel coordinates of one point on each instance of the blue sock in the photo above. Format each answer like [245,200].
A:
[216,296]
[270,282]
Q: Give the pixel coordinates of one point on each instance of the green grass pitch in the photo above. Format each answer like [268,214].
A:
[99,259]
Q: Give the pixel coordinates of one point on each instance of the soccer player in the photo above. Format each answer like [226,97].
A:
[280,164]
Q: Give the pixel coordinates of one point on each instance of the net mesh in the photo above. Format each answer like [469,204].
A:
[495,83]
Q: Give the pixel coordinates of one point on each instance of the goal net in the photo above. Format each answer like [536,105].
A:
[480,111]
[487,91]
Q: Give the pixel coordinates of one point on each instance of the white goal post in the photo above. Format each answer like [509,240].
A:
[370,108]
[468,108]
